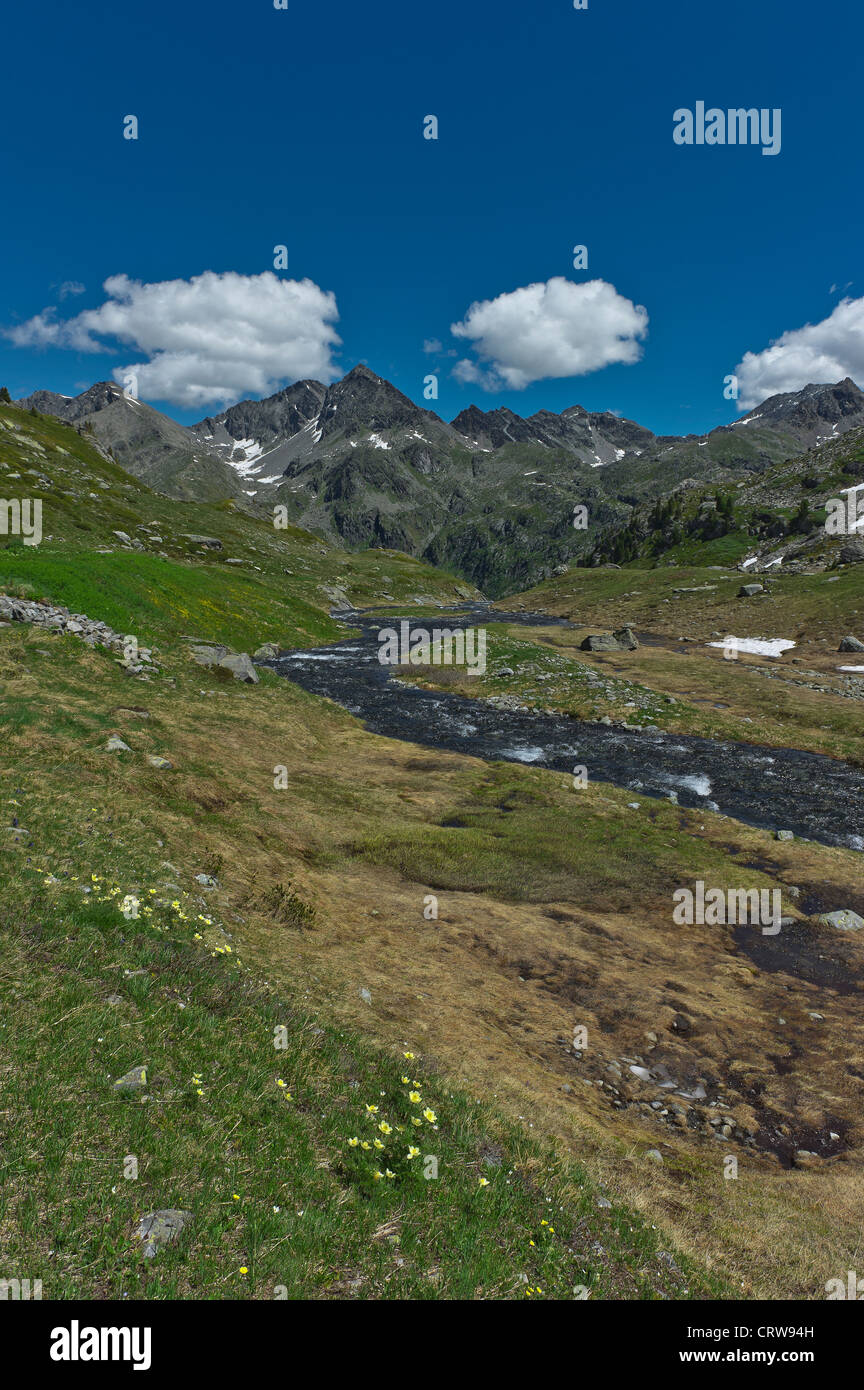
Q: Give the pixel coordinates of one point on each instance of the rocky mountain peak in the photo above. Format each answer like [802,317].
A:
[362,400]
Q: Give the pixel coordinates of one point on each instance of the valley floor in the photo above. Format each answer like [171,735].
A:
[325,844]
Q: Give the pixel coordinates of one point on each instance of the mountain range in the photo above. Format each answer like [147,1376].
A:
[489,496]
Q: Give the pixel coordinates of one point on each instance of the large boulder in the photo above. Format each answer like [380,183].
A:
[852,551]
[851,644]
[268,651]
[209,542]
[844,920]
[240,666]
[748,590]
[622,640]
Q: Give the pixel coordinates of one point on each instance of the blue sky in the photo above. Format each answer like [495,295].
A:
[261,127]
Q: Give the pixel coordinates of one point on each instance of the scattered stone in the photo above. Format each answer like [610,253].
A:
[122,537]
[851,644]
[783,835]
[748,590]
[366,996]
[206,881]
[57,619]
[162,763]
[115,744]
[159,1228]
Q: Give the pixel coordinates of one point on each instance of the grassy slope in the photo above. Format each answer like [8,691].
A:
[535,934]
[173,586]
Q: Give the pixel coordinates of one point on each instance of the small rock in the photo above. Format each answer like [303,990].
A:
[748,590]
[134,1080]
[805,1158]
[159,1228]
[162,763]
[206,881]
[115,744]
[851,644]
[654,1156]
[268,651]
[783,835]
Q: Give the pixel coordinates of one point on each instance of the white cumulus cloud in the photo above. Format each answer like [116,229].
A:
[205,341]
[819,352]
[551,329]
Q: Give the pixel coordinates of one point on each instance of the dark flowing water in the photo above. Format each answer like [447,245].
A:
[814,796]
